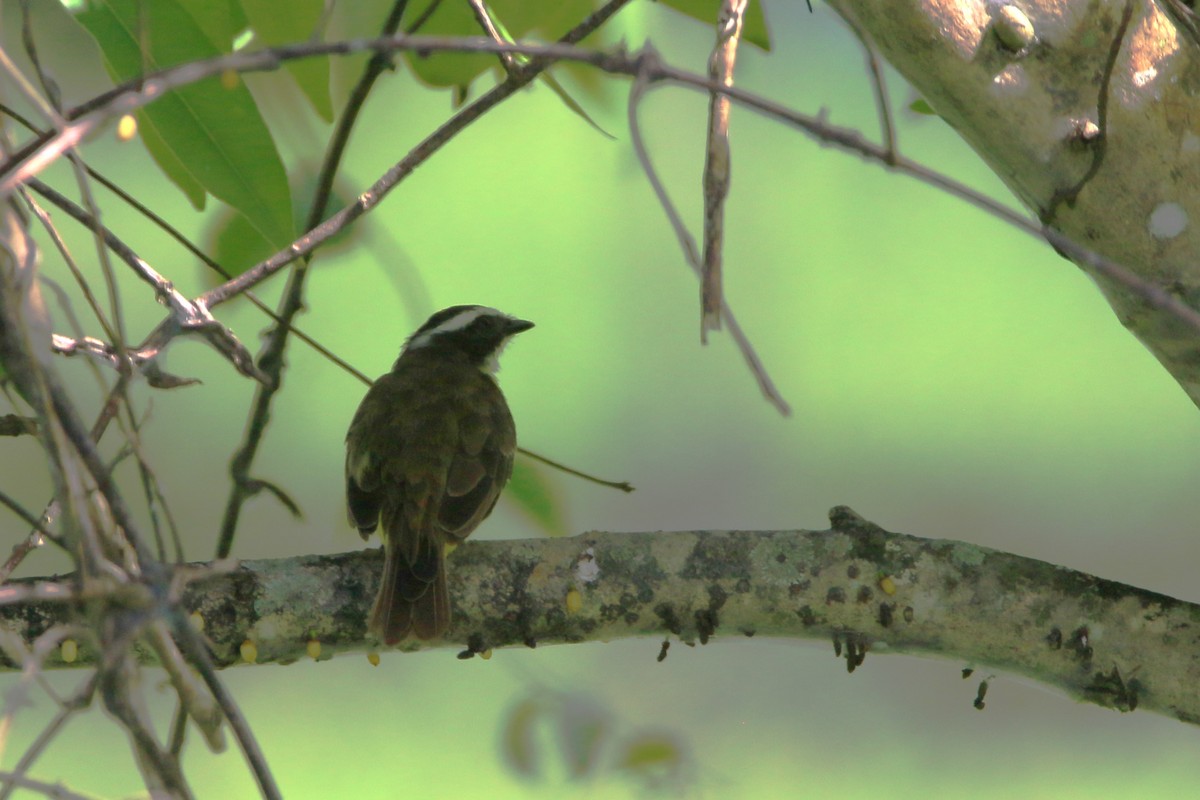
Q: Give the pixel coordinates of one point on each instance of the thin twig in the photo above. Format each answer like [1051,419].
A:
[65,253]
[508,61]
[157,340]
[81,215]
[29,158]
[54,791]
[117,333]
[686,242]
[193,648]
[883,104]
[73,705]
[1099,148]
[718,157]
[132,95]
[624,486]
[188,316]
[29,519]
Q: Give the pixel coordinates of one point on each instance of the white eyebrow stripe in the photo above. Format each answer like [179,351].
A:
[459,321]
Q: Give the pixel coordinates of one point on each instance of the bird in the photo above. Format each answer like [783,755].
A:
[428,452]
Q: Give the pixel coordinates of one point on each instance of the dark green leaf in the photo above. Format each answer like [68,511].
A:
[221,20]
[571,103]
[449,69]
[164,156]
[213,127]
[921,106]
[233,243]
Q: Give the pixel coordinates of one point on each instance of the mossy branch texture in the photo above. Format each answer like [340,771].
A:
[858,588]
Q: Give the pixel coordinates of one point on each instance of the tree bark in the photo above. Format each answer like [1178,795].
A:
[856,586]
[1087,111]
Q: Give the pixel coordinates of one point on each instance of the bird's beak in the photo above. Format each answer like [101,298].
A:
[516,326]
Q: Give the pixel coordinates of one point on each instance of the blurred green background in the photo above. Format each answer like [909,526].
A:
[949,378]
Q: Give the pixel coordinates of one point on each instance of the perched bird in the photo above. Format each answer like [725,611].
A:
[427,454]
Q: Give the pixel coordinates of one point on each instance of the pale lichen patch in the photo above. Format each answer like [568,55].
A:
[1168,220]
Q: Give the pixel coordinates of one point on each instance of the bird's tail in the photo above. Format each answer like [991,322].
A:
[412,596]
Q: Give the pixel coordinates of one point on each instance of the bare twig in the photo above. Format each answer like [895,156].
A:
[68,708]
[51,591]
[129,96]
[686,242]
[196,652]
[54,791]
[484,17]
[26,517]
[189,317]
[1099,147]
[624,486]
[115,332]
[717,162]
[82,216]
[65,253]
[883,104]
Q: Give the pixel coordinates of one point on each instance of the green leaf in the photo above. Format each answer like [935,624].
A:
[754,27]
[213,127]
[535,496]
[164,156]
[233,243]
[921,106]
[236,245]
[546,78]
[513,18]
[549,20]
[571,103]
[297,24]
[221,20]
[455,70]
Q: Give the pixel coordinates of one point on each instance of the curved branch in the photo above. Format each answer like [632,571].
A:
[868,591]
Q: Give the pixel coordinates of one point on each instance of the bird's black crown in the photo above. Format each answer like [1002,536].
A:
[477,331]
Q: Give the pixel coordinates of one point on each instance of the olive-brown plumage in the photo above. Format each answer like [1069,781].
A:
[427,454]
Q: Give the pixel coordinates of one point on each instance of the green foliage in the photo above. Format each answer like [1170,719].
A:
[299,23]
[921,106]
[754,28]
[512,19]
[236,245]
[210,138]
[213,130]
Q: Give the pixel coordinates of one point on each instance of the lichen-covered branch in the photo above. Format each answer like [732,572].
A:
[1085,110]
[856,586]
